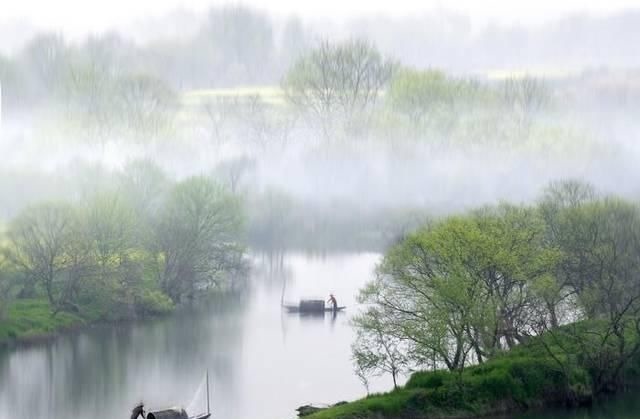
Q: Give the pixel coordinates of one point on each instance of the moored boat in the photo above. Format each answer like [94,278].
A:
[181,413]
[175,413]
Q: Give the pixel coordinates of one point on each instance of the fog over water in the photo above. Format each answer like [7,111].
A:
[188,166]
[262,362]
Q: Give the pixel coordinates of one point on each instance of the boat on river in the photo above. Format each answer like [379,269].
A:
[312,307]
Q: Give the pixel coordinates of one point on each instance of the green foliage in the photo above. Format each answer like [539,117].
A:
[129,250]
[431,94]
[524,377]
[42,239]
[462,288]
[198,237]
[32,318]
[466,288]
[428,379]
[153,302]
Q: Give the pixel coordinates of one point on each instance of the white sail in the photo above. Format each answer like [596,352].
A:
[200,404]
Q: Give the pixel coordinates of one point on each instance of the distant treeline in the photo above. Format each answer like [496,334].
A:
[231,46]
[238,45]
[108,89]
[136,247]
[134,241]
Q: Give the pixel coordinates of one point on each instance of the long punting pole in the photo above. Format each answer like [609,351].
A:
[208,408]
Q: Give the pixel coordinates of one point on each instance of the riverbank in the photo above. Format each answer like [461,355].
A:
[525,378]
[31,320]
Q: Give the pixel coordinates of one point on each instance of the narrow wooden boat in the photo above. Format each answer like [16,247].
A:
[296,309]
[180,413]
[311,307]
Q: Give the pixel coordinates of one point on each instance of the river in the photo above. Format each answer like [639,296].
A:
[262,363]
[625,406]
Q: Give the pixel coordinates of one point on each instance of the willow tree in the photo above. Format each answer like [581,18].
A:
[465,287]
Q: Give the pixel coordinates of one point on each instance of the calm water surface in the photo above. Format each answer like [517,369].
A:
[262,363]
[626,406]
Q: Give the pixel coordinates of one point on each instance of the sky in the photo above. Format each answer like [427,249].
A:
[80,17]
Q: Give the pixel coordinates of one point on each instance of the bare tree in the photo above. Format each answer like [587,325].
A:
[338,82]
[146,106]
[526,97]
[233,171]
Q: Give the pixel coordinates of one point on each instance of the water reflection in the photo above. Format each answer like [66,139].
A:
[625,406]
[263,362]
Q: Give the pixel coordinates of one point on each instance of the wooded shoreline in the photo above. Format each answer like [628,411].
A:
[519,380]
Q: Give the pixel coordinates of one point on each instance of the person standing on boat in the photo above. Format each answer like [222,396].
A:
[138,411]
[334,303]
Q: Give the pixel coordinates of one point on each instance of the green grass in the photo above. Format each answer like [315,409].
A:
[29,318]
[522,378]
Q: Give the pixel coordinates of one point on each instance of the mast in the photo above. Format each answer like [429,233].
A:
[208,408]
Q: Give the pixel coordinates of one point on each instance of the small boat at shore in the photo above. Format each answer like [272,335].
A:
[311,307]
[175,413]
[181,413]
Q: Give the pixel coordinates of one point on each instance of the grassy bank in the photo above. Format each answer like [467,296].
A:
[31,319]
[524,378]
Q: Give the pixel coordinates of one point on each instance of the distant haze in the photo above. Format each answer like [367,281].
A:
[80,17]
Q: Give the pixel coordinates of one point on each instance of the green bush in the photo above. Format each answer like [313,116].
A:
[33,317]
[153,302]
[428,379]
[497,384]
[522,377]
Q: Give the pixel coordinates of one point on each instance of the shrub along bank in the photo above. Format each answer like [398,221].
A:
[532,376]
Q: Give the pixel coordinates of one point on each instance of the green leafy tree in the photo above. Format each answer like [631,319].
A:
[41,247]
[430,94]
[198,237]
[466,287]
[423,295]
[601,270]
[116,256]
[376,350]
